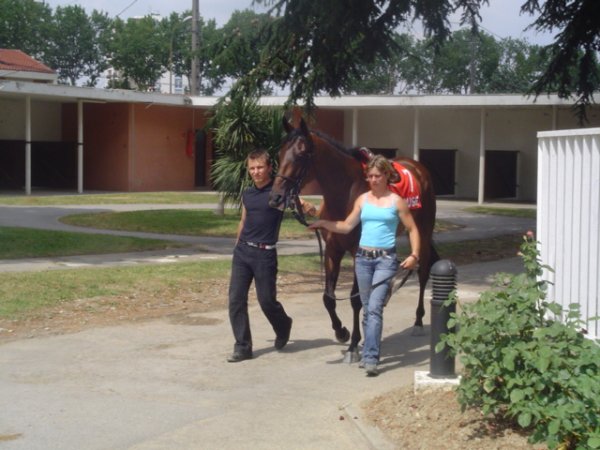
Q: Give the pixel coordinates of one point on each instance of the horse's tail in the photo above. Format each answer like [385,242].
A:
[434,256]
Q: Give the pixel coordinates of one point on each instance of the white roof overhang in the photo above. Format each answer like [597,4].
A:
[65,93]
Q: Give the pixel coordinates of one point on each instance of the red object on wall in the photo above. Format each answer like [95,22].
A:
[189,145]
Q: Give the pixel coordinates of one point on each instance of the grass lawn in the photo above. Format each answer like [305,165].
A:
[111,198]
[529,213]
[179,221]
[21,293]
[16,242]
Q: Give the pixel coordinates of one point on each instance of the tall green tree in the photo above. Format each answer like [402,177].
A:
[175,33]
[519,66]
[25,25]
[387,76]
[466,62]
[573,67]
[319,47]
[176,36]
[74,47]
[138,51]
[238,48]
[315,47]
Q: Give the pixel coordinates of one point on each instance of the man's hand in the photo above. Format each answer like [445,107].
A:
[308,208]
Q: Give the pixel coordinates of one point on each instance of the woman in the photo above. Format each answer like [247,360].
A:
[379,211]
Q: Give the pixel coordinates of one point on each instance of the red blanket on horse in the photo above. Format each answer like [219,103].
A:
[407,187]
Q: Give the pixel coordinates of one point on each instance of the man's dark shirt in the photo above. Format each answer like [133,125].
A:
[262,222]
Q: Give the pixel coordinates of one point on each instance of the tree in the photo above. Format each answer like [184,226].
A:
[138,51]
[387,76]
[466,62]
[25,25]
[74,47]
[175,32]
[316,47]
[573,56]
[319,47]
[237,50]
[519,66]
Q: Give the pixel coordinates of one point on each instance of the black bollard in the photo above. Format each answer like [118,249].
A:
[443,277]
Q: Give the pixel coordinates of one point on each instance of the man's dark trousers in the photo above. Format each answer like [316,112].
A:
[250,263]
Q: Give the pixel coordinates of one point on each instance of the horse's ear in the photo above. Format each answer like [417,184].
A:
[304,127]
[286,125]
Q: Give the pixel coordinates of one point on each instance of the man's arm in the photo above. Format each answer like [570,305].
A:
[241,224]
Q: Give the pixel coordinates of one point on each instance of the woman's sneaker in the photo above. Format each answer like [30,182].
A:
[372,370]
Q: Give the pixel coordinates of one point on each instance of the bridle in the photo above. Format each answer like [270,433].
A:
[292,193]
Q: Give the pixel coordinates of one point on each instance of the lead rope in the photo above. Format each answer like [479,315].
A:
[296,208]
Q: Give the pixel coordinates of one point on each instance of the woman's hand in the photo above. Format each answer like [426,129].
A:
[317,224]
[410,262]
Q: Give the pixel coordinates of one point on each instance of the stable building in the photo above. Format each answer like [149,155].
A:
[480,147]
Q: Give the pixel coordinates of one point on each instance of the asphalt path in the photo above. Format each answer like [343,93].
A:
[474,226]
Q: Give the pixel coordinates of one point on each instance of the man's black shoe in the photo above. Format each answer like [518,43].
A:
[239,356]
[280,341]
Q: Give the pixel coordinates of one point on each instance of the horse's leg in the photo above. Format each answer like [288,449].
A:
[352,354]
[427,258]
[332,271]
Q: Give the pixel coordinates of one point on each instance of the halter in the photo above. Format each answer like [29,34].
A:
[292,195]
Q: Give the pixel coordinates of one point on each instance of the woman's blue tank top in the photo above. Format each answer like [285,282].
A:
[378,226]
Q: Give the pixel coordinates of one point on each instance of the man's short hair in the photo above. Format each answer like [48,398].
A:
[259,153]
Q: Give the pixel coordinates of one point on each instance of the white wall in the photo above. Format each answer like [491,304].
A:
[568,218]
[46,120]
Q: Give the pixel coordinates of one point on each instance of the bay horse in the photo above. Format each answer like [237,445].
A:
[307,155]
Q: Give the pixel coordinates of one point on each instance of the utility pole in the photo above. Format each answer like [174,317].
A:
[195,77]
[473,63]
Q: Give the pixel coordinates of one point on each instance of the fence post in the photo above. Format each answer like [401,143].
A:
[443,276]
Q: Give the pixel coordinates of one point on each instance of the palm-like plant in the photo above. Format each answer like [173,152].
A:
[239,125]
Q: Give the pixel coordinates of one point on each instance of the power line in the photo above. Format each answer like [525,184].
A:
[127,7]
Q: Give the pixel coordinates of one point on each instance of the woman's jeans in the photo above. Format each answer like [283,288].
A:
[369,272]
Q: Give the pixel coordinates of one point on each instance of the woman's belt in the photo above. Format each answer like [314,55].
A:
[375,253]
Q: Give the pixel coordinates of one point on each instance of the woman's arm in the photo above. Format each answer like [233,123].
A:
[341,226]
[411,261]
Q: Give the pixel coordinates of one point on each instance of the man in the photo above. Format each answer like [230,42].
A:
[255,258]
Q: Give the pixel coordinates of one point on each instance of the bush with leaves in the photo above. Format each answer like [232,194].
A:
[239,125]
[523,365]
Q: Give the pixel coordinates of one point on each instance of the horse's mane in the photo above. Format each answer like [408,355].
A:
[350,152]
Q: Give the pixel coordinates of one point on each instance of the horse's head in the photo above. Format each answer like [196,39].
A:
[294,160]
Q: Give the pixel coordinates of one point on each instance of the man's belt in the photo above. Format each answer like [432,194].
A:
[259,245]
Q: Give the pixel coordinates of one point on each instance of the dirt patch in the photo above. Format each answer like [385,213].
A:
[433,420]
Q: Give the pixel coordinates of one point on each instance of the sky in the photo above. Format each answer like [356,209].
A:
[500,19]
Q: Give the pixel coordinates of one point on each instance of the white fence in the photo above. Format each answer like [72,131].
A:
[568,218]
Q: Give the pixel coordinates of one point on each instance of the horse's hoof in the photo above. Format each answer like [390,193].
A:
[418,331]
[351,356]
[342,335]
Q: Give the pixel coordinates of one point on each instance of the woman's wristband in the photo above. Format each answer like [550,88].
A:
[414,256]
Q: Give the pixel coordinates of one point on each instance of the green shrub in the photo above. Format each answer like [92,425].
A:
[522,365]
